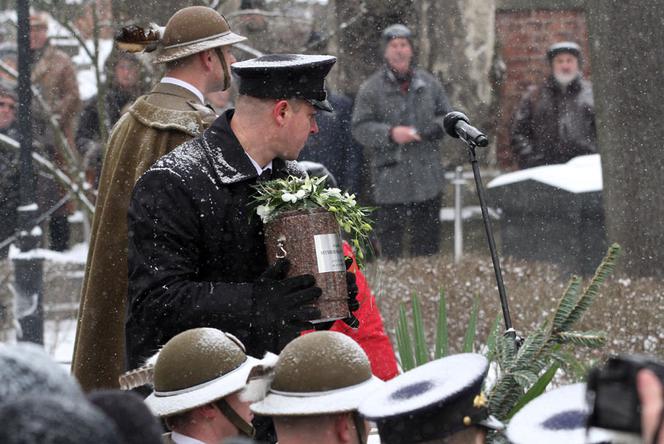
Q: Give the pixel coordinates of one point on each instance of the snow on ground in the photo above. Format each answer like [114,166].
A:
[76,255]
[59,336]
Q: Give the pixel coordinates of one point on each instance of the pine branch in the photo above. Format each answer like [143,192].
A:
[605,268]
[592,339]
[566,303]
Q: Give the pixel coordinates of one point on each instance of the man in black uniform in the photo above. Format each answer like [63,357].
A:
[196,251]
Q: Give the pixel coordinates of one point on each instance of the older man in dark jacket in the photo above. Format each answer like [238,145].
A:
[196,247]
[556,120]
[398,118]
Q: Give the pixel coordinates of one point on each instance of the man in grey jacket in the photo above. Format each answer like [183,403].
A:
[398,118]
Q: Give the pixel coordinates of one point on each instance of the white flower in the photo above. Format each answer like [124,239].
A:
[307,186]
[288,197]
[333,192]
[300,193]
[264,212]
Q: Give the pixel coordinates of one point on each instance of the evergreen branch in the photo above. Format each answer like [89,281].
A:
[592,339]
[536,389]
[524,378]
[604,269]
[566,303]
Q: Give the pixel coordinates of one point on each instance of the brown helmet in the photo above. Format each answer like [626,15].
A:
[196,367]
[192,30]
[319,373]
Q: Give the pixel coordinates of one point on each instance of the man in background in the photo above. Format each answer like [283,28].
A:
[398,118]
[556,120]
[54,75]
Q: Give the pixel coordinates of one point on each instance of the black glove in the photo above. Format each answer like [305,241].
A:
[284,305]
[353,304]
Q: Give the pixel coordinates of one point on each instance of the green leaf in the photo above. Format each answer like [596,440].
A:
[471,329]
[421,348]
[536,389]
[491,340]
[442,340]
[403,341]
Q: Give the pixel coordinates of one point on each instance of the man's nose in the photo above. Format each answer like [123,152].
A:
[314,127]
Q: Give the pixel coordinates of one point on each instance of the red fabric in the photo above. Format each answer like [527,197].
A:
[370,334]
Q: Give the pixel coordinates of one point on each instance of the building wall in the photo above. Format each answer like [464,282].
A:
[523,35]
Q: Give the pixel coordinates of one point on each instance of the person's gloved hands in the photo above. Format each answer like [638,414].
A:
[353,303]
[284,304]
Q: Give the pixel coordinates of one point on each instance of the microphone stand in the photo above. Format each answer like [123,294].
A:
[509,330]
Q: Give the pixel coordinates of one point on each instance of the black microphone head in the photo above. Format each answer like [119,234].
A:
[450,120]
[482,141]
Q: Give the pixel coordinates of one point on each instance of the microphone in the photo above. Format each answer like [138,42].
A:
[457,125]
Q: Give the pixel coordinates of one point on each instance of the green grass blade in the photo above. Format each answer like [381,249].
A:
[442,340]
[536,390]
[404,343]
[421,348]
[469,338]
[491,340]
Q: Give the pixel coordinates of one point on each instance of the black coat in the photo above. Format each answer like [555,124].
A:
[195,244]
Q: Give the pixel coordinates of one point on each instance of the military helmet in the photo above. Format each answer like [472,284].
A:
[196,367]
[192,30]
[318,373]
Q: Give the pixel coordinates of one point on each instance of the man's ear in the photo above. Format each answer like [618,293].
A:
[279,111]
[207,59]
[207,411]
[344,428]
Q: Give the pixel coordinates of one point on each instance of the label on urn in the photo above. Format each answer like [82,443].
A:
[329,253]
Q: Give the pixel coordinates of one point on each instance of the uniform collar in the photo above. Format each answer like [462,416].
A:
[179,438]
[186,85]
[230,161]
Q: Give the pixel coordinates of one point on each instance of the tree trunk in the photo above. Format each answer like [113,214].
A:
[358,36]
[457,45]
[627,55]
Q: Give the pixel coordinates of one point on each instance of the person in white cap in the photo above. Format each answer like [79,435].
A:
[560,416]
[438,402]
[198,377]
[320,379]
[195,47]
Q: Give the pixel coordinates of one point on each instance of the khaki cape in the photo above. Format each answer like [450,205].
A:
[154,125]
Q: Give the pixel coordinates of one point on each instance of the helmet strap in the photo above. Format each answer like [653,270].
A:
[243,426]
[224,65]
[359,427]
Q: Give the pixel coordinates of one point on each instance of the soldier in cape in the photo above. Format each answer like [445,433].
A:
[195,48]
